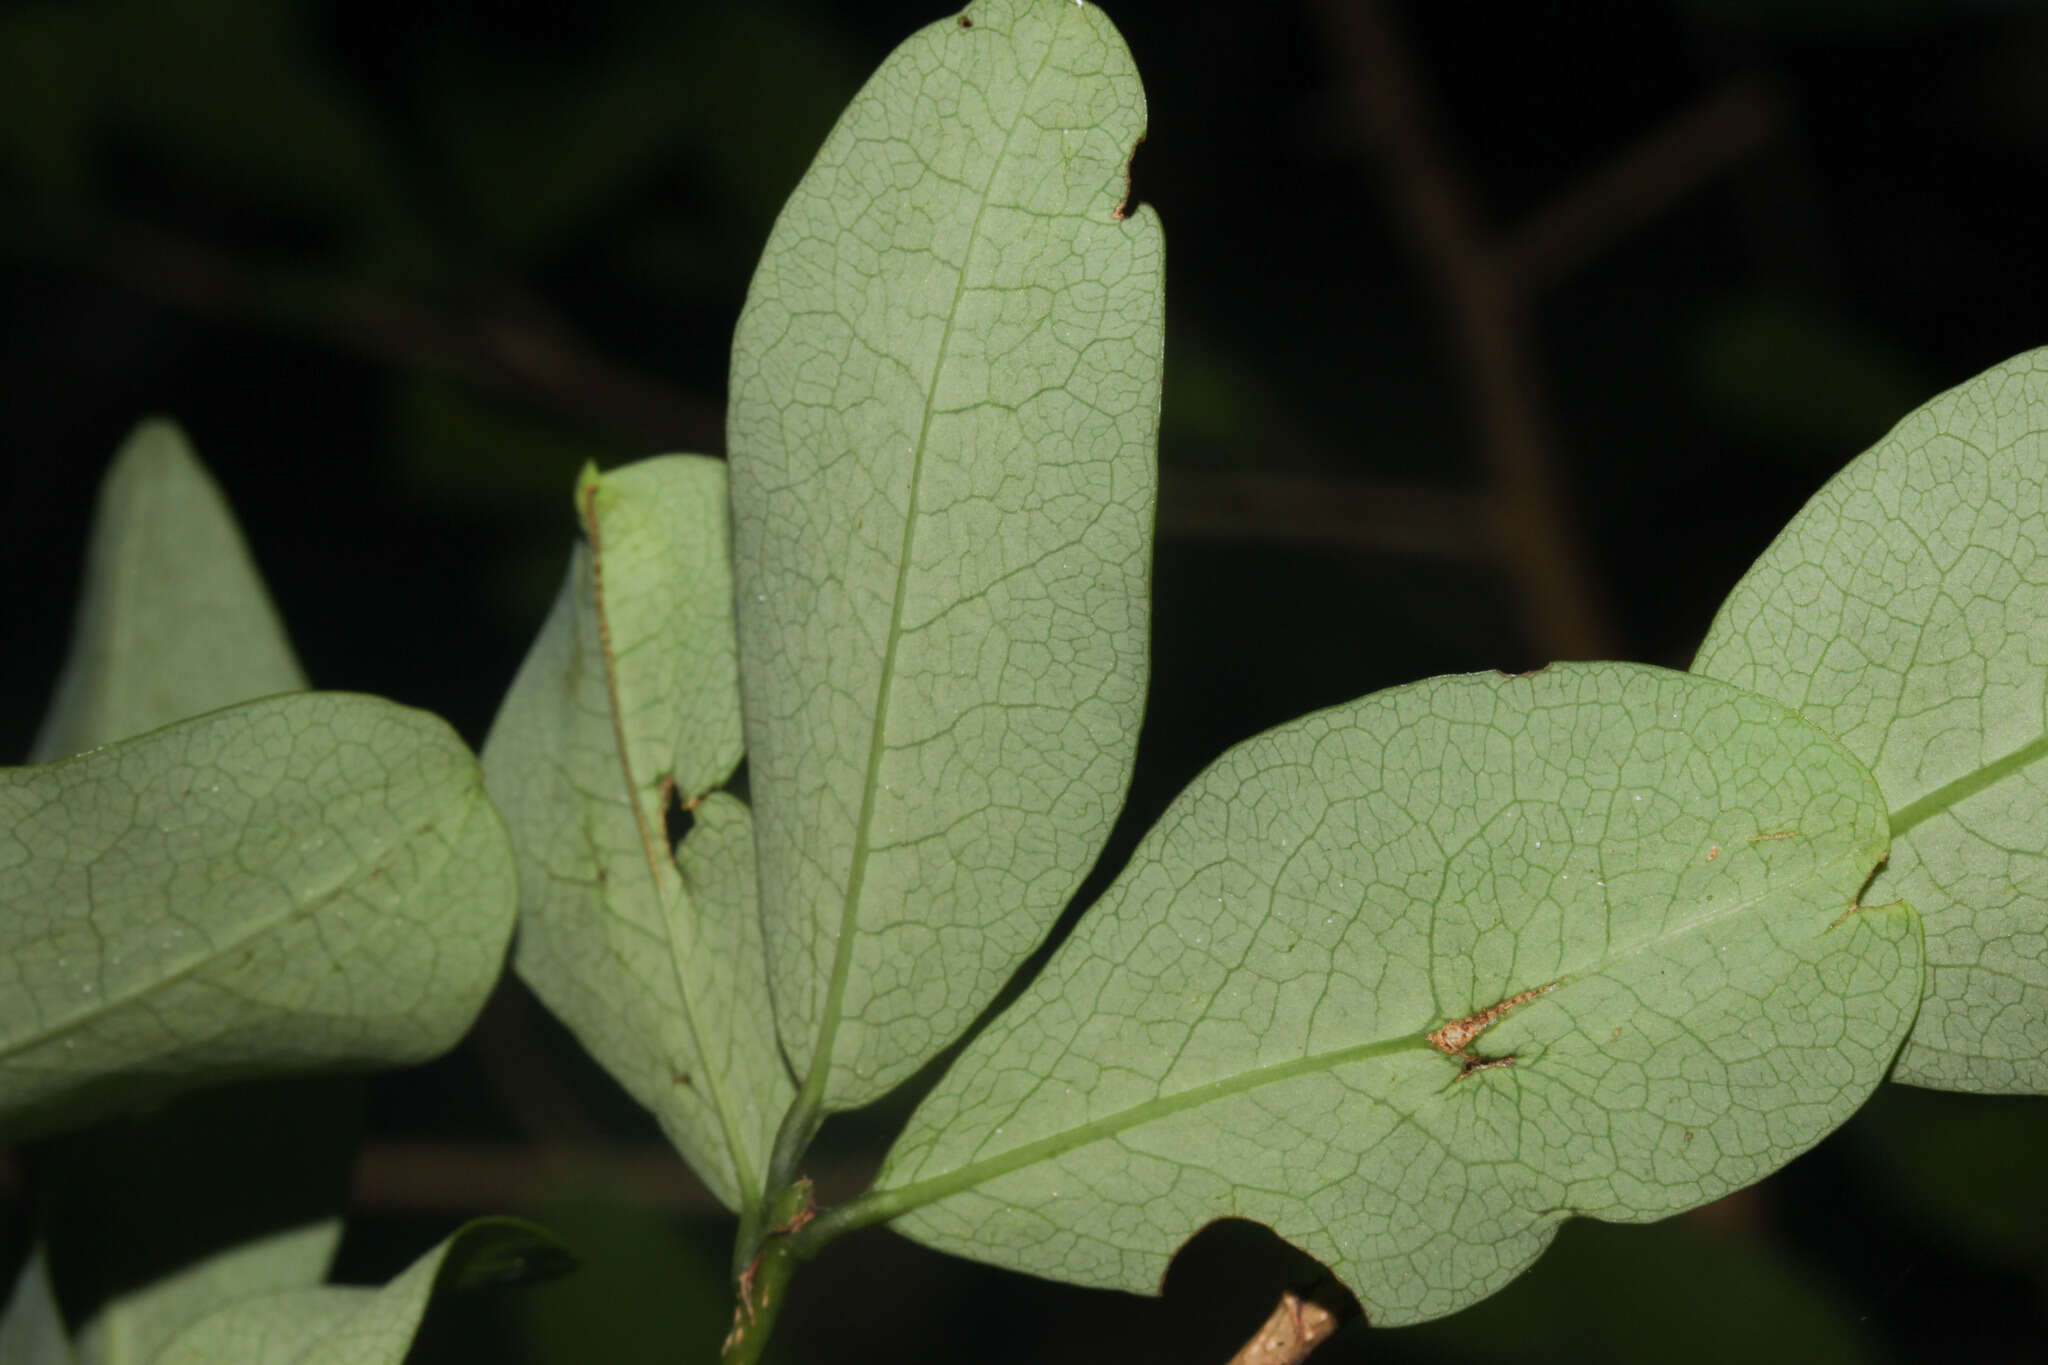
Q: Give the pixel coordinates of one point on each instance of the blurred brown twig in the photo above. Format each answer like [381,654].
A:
[1488,285]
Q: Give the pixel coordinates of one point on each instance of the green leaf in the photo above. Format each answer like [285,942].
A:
[1905,609]
[301,882]
[1631,895]
[134,1328]
[174,620]
[32,1329]
[622,723]
[945,397]
[332,1325]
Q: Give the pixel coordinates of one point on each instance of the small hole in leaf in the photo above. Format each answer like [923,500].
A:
[678,817]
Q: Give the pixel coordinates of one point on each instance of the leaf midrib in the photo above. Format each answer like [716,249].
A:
[655,855]
[891,1203]
[816,1081]
[1951,794]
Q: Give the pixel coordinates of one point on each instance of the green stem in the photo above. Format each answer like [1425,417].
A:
[793,1138]
[747,1244]
[760,1302]
[879,1206]
[1969,784]
[764,1259]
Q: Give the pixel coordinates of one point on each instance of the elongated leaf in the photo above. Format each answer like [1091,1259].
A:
[1413,979]
[621,724]
[304,881]
[174,620]
[334,1325]
[31,1328]
[134,1328]
[1905,609]
[945,395]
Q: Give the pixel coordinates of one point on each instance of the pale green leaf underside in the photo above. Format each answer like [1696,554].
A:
[654,962]
[31,1329]
[1905,609]
[336,1325]
[1239,1027]
[304,881]
[174,620]
[134,1328]
[945,396]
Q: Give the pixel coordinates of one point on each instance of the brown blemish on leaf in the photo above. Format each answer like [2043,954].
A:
[1856,907]
[1453,1038]
[1713,853]
[594,533]
[1773,837]
[1473,1064]
[966,22]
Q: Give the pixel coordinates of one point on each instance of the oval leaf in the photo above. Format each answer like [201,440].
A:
[1414,979]
[174,620]
[945,400]
[643,937]
[1905,610]
[305,881]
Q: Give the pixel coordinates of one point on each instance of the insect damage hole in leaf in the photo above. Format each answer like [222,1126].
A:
[678,817]
[610,759]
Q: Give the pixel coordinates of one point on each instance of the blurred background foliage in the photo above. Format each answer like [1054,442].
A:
[1495,334]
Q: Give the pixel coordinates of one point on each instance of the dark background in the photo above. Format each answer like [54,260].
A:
[1495,334]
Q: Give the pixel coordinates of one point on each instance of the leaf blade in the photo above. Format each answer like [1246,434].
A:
[625,715]
[1242,1027]
[336,1325]
[301,882]
[945,406]
[1905,609]
[174,619]
[135,1327]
